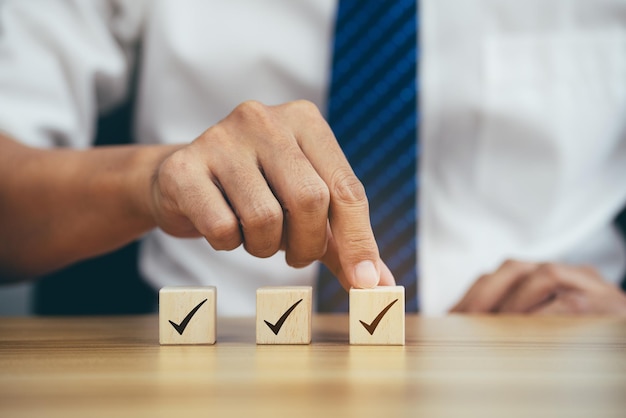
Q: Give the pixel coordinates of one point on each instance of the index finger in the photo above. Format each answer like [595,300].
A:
[348,212]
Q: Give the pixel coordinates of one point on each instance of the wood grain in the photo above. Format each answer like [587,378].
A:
[190,308]
[377,316]
[450,367]
[291,304]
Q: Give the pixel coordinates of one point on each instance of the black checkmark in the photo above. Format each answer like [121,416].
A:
[276,328]
[372,327]
[181,328]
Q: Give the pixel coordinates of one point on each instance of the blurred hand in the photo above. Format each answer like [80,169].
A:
[543,289]
[272,177]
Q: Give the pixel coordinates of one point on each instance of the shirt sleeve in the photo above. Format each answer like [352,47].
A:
[62,63]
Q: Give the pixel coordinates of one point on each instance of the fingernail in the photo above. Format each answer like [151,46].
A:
[365,275]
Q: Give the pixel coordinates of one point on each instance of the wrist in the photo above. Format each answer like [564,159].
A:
[145,162]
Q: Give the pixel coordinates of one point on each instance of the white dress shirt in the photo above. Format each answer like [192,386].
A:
[523,127]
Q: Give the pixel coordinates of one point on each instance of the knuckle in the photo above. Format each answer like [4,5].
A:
[262,217]
[217,146]
[250,107]
[258,229]
[223,234]
[347,189]
[311,197]
[251,110]
[550,270]
[258,225]
[305,107]
[261,126]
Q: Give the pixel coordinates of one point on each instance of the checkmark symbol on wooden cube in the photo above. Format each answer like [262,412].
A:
[181,328]
[276,327]
[387,328]
[291,305]
[196,305]
[372,327]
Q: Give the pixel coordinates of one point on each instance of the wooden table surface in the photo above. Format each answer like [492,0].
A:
[456,366]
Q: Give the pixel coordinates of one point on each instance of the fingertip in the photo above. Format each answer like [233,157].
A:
[366,276]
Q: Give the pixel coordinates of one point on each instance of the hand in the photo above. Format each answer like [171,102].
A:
[272,177]
[543,289]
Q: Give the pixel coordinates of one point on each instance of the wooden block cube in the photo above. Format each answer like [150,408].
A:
[187,315]
[377,316]
[283,315]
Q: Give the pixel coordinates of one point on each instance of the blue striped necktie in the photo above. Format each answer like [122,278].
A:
[373,112]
